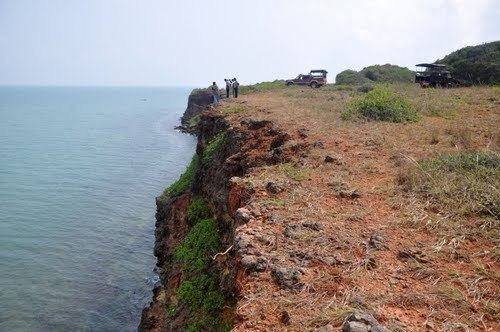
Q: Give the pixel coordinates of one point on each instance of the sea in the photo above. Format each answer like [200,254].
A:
[80,168]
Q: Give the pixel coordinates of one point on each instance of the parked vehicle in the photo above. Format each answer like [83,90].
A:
[434,75]
[315,79]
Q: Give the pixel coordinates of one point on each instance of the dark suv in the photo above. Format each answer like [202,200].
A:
[315,79]
[434,75]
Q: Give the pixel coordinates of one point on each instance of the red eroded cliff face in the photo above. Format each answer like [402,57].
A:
[224,154]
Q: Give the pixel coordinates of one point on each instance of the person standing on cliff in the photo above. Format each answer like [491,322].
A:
[228,86]
[215,92]
[236,86]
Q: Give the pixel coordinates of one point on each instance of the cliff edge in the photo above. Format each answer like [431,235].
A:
[291,217]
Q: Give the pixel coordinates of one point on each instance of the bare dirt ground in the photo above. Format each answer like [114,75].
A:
[348,236]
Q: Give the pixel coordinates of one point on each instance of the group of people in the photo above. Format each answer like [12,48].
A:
[231,85]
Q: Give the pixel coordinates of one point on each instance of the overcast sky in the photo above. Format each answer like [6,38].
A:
[191,43]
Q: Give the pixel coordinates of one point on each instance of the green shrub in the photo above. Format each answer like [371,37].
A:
[462,184]
[212,147]
[198,210]
[381,104]
[185,180]
[367,87]
[201,242]
[478,64]
[388,74]
[200,290]
[375,74]
[349,77]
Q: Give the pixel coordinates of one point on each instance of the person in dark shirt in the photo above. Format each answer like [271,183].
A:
[228,86]
[215,92]
[236,86]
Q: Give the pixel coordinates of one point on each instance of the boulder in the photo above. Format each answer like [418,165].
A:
[362,322]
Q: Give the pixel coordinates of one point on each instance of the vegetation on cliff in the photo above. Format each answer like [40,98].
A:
[212,148]
[381,104]
[375,74]
[198,210]
[185,180]
[199,289]
[475,64]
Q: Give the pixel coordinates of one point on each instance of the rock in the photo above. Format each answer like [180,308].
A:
[279,141]
[332,260]
[243,215]
[254,209]
[319,144]
[326,328]
[276,154]
[288,278]
[285,317]
[343,190]
[249,262]
[314,225]
[415,254]
[261,264]
[275,131]
[349,193]
[362,322]
[242,243]
[303,256]
[303,132]
[257,124]
[292,231]
[252,262]
[333,159]
[266,239]
[377,242]
[273,187]
[356,327]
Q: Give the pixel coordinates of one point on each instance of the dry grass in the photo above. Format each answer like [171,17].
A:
[456,289]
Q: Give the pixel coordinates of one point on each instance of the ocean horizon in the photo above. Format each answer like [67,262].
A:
[79,171]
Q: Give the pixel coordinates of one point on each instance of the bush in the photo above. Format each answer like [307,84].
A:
[475,64]
[462,184]
[212,147]
[200,290]
[381,104]
[367,87]
[201,242]
[198,210]
[185,180]
[388,74]
[350,77]
[376,74]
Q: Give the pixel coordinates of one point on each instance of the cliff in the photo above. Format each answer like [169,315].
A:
[224,153]
[198,101]
[291,217]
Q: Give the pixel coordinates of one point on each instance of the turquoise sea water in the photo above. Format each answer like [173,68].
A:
[79,170]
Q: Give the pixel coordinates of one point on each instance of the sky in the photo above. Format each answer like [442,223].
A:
[194,42]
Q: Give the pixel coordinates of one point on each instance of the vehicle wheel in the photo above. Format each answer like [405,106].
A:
[289,83]
[314,85]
